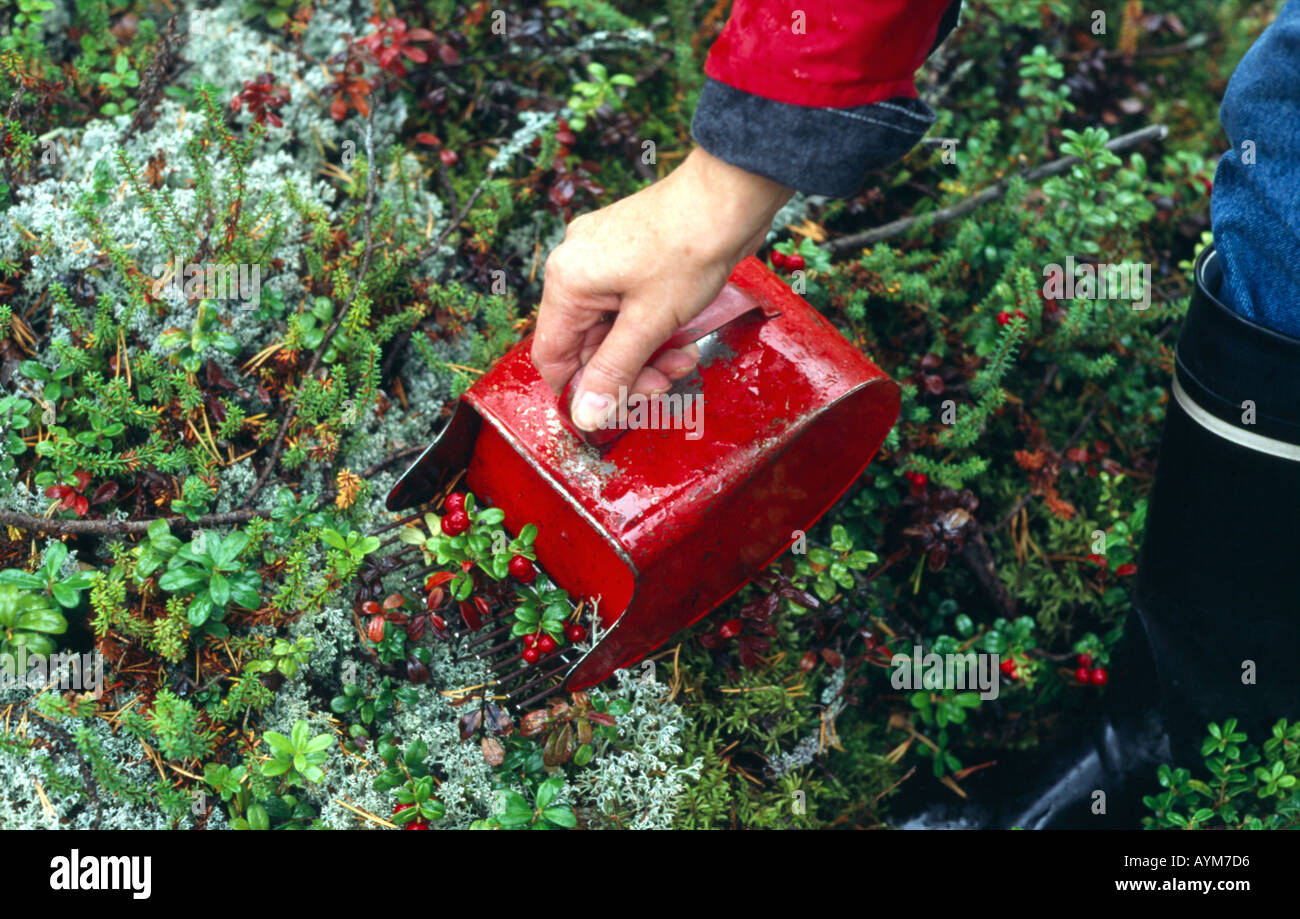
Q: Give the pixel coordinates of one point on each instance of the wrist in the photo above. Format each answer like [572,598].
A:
[738,205]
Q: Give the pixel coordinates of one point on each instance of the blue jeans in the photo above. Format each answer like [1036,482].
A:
[1255,207]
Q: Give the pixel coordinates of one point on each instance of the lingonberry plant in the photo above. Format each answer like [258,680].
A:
[471,537]
[1245,786]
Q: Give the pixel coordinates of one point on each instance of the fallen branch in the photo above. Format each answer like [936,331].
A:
[118,527]
[979,559]
[985,195]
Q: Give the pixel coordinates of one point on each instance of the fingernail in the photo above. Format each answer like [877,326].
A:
[689,361]
[592,410]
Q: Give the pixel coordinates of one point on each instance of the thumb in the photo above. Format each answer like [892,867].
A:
[618,365]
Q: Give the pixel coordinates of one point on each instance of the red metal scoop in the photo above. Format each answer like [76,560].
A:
[660,525]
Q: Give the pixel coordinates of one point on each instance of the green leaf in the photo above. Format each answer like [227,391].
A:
[34,642]
[181,578]
[219,589]
[276,767]
[230,547]
[862,559]
[43,620]
[55,556]
[335,539]
[244,593]
[416,753]
[561,816]
[411,536]
[22,579]
[258,819]
[278,742]
[547,791]
[513,810]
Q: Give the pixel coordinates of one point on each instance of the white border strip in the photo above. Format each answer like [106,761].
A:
[1217,426]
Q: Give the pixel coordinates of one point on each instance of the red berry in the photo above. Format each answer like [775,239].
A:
[575,633]
[1082,675]
[778,258]
[448,157]
[417,824]
[455,501]
[795,262]
[532,655]
[1004,318]
[455,523]
[1008,667]
[730,628]
[1084,660]
[919,479]
[530,640]
[1098,676]
[401,807]
[521,569]
[546,644]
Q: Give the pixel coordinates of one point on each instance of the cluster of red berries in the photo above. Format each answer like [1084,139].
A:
[521,569]
[1004,318]
[1008,668]
[540,643]
[1125,570]
[456,520]
[1086,674]
[419,823]
[918,480]
[785,262]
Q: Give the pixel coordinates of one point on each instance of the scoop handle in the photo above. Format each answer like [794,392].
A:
[730,304]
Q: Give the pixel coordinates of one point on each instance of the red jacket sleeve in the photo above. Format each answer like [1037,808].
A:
[815,94]
[825,52]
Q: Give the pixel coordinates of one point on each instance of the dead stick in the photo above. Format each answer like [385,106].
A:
[984,196]
[118,527]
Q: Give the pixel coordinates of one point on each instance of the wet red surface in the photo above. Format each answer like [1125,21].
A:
[663,527]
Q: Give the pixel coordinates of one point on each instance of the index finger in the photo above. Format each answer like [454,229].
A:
[567,322]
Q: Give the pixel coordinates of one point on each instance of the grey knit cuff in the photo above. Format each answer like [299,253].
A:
[818,151]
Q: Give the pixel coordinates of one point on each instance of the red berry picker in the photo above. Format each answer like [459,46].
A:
[653,528]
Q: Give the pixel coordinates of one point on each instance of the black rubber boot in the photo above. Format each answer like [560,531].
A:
[1217,594]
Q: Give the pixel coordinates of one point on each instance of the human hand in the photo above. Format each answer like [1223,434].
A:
[654,259]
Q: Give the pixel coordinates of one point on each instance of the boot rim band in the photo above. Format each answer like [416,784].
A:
[1217,426]
[1225,364]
